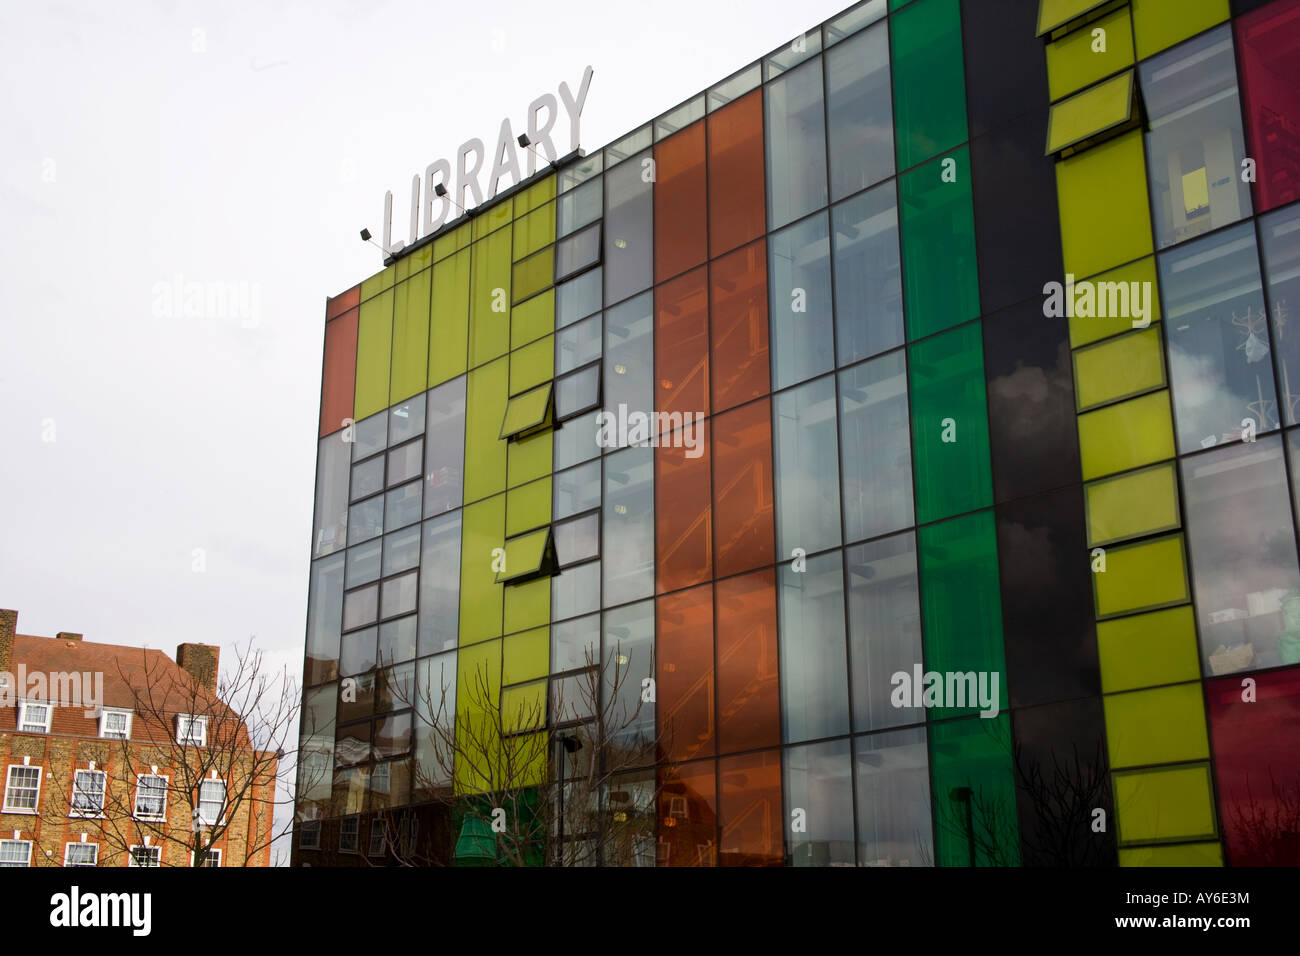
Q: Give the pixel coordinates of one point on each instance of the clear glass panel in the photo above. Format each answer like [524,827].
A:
[444,448]
[629,546]
[819,782]
[575,591]
[792,54]
[370,436]
[575,643]
[868,281]
[893,778]
[324,619]
[734,87]
[814,682]
[358,652]
[368,477]
[680,118]
[397,640]
[803,343]
[629,220]
[579,297]
[884,628]
[360,607]
[400,594]
[853,20]
[875,447]
[575,441]
[401,550]
[629,648]
[578,208]
[364,562]
[860,112]
[579,172]
[577,490]
[578,345]
[577,540]
[403,506]
[366,519]
[439,584]
[577,392]
[330,531]
[806,466]
[621,149]
[406,420]
[406,462]
[629,357]
[577,252]
[796,145]
[1280,237]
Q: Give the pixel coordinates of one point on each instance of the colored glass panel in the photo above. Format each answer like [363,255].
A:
[1105,219]
[1093,328]
[681,338]
[749,810]
[410,337]
[683,511]
[1147,649]
[1132,505]
[749,696]
[449,323]
[1164,805]
[685,681]
[1090,113]
[738,327]
[1158,25]
[680,203]
[688,814]
[974,793]
[1118,437]
[338,386]
[1119,367]
[737,211]
[489,313]
[1268,45]
[480,594]
[1141,576]
[742,489]
[1162,725]
[929,80]
[374,354]
[1076,61]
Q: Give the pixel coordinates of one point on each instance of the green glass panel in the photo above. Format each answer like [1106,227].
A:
[950,428]
[485,449]
[374,353]
[528,506]
[929,80]
[489,312]
[534,274]
[973,788]
[410,337]
[531,320]
[534,231]
[532,364]
[482,531]
[940,281]
[449,339]
[527,411]
[961,607]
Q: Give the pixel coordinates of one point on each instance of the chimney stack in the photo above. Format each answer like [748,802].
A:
[8,625]
[200,662]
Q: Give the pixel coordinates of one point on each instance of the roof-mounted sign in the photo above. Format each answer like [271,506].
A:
[433,194]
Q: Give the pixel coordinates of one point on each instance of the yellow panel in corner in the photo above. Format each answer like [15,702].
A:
[493,219]
[1173,803]
[1090,113]
[1127,435]
[1162,725]
[1132,505]
[1143,650]
[378,282]
[1105,217]
[1140,577]
[1140,279]
[535,196]
[1117,368]
[1073,61]
[1055,13]
[1183,854]
[1159,24]
[410,337]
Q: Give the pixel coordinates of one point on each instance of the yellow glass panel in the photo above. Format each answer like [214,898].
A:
[527,656]
[1074,61]
[528,506]
[535,196]
[530,458]
[414,262]
[1138,503]
[1127,435]
[1147,649]
[1087,114]
[374,355]
[410,337]
[527,411]
[478,694]
[1141,576]
[485,451]
[1163,725]
[526,757]
[532,319]
[534,231]
[449,335]
[1085,329]
[1166,804]
[523,707]
[1117,368]
[489,315]
[492,219]
[459,238]
[482,531]
[1184,854]
[1055,13]
[1105,218]
[528,604]
[1159,24]
[534,274]
[378,282]
[532,364]
[526,554]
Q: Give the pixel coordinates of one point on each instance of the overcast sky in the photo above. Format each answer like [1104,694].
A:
[156,471]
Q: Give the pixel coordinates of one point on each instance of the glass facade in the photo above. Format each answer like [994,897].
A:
[758,449]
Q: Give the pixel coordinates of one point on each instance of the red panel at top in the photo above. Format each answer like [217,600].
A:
[1257,766]
[743,537]
[737,185]
[681,229]
[1268,47]
[341,303]
[339,377]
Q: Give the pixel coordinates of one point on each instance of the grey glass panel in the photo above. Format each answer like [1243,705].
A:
[576,252]
[576,490]
[859,107]
[796,145]
[366,519]
[1280,236]
[575,643]
[884,628]
[444,448]
[329,532]
[852,20]
[395,688]
[575,591]
[577,392]
[792,54]
[316,746]
[403,506]
[575,209]
[370,436]
[806,468]
[392,737]
[364,704]
[868,284]
[353,745]
[406,462]
[1219,363]
[406,420]
[368,477]
[440,584]
[435,704]
[397,640]
[818,781]
[358,653]
[734,87]
[324,619]
[799,271]
[572,698]
[577,540]
[680,118]
[893,786]
[629,533]
[814,682]
[401,550]
[578,344]
[629,356]
[629,221]
[622,149]
[360,607]
[628,646]
[875,447]
[364,562]
[1243,556]
[400,594]
[575,440]
[581,170]
[1195,144]
[579,297]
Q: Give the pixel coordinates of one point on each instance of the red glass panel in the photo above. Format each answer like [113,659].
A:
[688,815]
[682,344]
[683,512]
[738,317]
[1268,45]
[749,810]
[749,695]
[743,537]
[339,375]
[684,657]
[1257,767]
[737,187]
[680,202]
[341,303]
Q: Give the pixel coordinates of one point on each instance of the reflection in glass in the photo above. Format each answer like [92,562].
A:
[861,114]
[370,435]
[366,519]
[814,685]
[575,591]
[884,628]
[357,654]
[397,640]
[579,297]
[628,644]
[577,490]
[400,594]
[405,462]
[324,619]
[875,447]
[629,219]
[893,778]
[629,355]
[818,780]
[406,420]
[806,466]
[444,448]
[331,496]
[800,273]
[1280,239]
[402,506]
[360,607]
[364,562]
[575,644]
[868,284]
[367,477]
[796,145]
[629,545]
[439,584]
[401,550]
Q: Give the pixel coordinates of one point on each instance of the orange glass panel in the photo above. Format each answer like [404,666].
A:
[688,815]
[341,303]
[738,317]
[749,810]
[683,511]
[684,657]
[749,695]
[737,187]
[682,344]
[681,232]
[742,489]
[339,374]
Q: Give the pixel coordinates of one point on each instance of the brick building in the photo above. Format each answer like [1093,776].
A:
[119,756]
